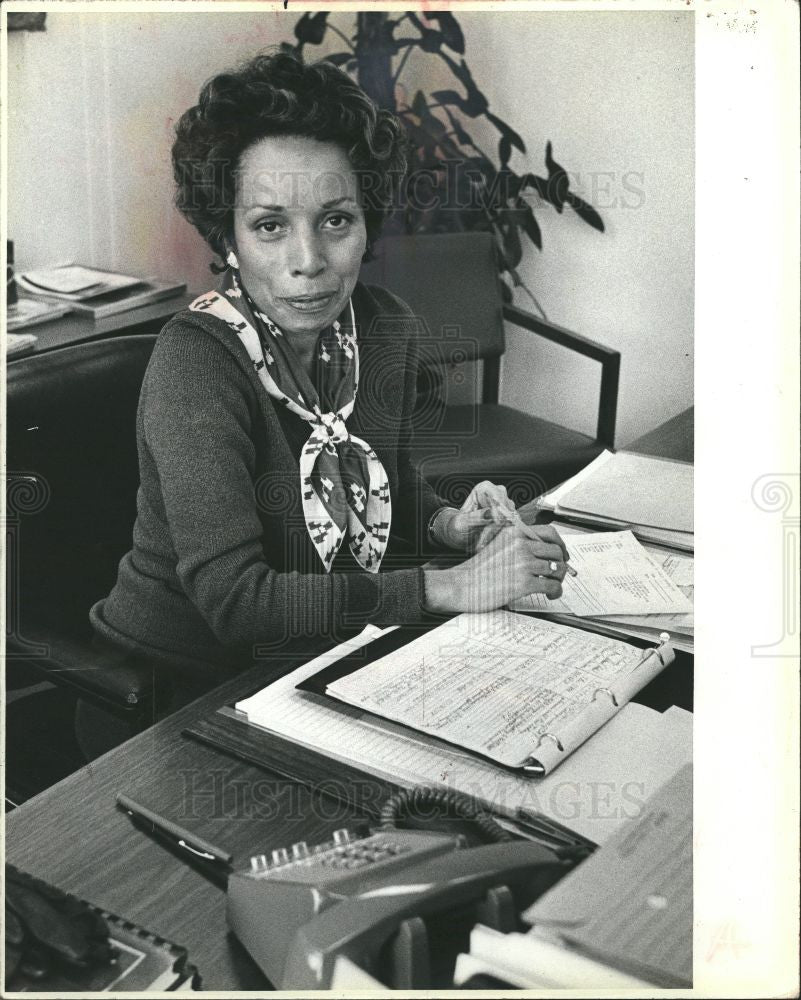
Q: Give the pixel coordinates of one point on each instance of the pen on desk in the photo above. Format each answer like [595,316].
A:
[175,835]
[512,517]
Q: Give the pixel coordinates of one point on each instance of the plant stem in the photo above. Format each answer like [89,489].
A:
[399,70]
[531,295]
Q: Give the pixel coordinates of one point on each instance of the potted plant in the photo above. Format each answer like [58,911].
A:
[462,186]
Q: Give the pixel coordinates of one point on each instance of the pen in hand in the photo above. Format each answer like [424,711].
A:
[512,517]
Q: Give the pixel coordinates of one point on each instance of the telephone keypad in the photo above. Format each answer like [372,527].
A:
[341,854]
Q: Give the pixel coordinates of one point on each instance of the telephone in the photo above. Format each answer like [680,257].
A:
[397,903]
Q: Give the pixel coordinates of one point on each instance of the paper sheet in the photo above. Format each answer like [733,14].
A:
[637,489]
[680,569]
[595,790]
[495,683]
[684,540]
[616,576]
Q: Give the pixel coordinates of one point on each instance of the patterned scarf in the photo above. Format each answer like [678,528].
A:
[344,485]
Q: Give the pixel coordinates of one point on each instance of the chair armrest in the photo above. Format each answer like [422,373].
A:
[124,688]
[609,359]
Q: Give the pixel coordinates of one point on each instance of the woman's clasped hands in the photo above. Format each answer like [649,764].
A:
[510,559]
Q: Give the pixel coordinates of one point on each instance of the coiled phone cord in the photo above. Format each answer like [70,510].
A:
[408,802]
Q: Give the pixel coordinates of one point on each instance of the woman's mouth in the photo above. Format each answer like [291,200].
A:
[311,303]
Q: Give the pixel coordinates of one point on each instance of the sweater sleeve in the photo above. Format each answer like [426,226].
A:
[197,427]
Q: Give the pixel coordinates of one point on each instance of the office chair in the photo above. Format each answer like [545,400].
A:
[72,478]
[451,283]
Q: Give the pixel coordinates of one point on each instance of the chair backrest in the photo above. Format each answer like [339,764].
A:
[451,282]
[72,472]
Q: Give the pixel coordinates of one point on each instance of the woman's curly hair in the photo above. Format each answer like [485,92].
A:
[276,94]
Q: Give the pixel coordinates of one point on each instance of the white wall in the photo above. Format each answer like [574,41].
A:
[93,99]
[615,95]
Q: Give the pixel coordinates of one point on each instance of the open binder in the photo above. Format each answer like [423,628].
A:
[360,759]
[620,669]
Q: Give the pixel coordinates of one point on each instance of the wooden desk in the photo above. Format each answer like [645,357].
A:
[73,835]
[675,438]
[75,328]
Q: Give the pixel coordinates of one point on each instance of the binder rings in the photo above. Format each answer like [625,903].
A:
[487,670]
[347,755]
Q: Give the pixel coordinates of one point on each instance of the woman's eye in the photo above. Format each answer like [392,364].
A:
[337,221]
[269,226]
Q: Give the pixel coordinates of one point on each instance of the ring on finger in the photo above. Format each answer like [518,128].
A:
[553,566]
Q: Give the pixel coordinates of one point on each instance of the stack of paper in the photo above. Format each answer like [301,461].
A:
[95,293]
[624,587]
[651,496]
[74,283]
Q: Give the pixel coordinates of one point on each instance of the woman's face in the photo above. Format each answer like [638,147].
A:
[299,232]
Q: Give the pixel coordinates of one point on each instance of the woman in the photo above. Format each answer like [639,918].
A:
[274,421]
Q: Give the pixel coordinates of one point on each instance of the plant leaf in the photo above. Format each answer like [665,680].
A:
[449,26]
[585,211]
[311,28]
[420,105]
[430,40]
[448,97]
[506,131]
[513,248]
[530,225]
[476,103]
[504,150]
[461,136]
[558,181]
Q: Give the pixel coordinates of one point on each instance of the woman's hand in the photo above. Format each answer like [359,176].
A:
[472,526]
[521,559]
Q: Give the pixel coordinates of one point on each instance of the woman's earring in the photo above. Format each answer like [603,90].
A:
[231,260]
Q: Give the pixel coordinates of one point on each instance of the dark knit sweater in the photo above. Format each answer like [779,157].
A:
[221,559]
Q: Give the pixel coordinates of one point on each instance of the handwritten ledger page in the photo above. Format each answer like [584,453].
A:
[597,788]
[497,683]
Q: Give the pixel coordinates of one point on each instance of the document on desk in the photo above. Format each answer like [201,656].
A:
[679,569]
[637,489]
[495,683]
[616,576]
[592,792]
[653,488]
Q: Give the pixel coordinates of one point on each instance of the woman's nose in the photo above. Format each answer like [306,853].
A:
[306,256]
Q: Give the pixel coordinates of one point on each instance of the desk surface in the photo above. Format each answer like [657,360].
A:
[75,328]
[675,438]
[73,836]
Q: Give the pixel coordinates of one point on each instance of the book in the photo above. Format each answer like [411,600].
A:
[28,312]
[74,283]
[629,905]
[111,302]
[521,692]
[526,961]
[652,497]
[132,959]
[121,300]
